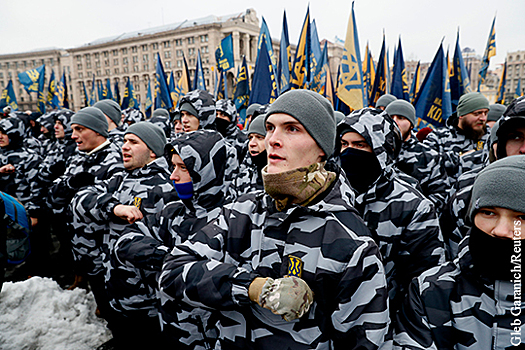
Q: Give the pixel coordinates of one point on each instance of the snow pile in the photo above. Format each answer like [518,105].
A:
[38,314]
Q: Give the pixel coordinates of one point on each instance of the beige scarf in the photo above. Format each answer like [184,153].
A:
[297,186]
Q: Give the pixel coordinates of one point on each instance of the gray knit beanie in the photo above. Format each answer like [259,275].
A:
[252,108]
[92,118]
[313,111]
[339,116]
[257,126]
[187,107]
[402,108]
[471,102]
[495,112]
[111,109]
[500,185]
[385,100]
[161,112]
[152,135]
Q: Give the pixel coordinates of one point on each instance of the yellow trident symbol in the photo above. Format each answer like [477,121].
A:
[295,266]
[137,202]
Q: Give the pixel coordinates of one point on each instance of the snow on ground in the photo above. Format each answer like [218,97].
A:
[38,314]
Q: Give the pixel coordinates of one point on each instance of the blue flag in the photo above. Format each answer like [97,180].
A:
[93,95]
[149,101]
[63,101]
[380,81]
[265,33]
[130,97]
[42,97]
[224,54]
[100,90]
[350,87]
[52,98]
[490,51]
[198,82]
[301,64]
[171,87]
[316,52]
[416,83]
[318,83]
[8,97]
[285,59]
[459,79]
[399,78]
[242,91]
[30,78]
[369,73]
[432,103]
[518,91]
[221,93]
[340,105]
[85,95]
[108,95]
[264,84]
[116,96]
[500,96]
[162,94]
[183,85]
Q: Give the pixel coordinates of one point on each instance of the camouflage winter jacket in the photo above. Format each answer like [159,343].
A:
[453,307]
[250,238]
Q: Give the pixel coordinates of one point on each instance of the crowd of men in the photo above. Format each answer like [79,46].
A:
[308,230]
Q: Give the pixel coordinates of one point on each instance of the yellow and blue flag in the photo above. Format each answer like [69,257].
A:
[63,100]
[242,91]
[432,103]
[198,82]
[285,59]
[416,83]
[381,77]
[399,86]
[221,93]
[52,98]
[490,51]
[171,88]
[265,33]
[149,101]
[500,96]
[30,79]
[8,97]
[315,52]
[350,89]
[518,91]
[318,83]
[264,83]
[459,78]
[93,95]
[224,54]
[100,90]
[108,95]
[116,95]
[301,64]
[369,73]
[130,97]
[183,85]
[162,94]
[85,95]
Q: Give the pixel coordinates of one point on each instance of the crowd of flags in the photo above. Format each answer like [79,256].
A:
[359,83]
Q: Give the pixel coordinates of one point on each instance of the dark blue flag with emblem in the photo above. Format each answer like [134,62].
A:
[315,53]
[149,101]
[264,83]
[198,82]
[116,95]
[93,95]
[350,87]
[30,78]
[318,83]
[8,97]
[285,59]
[265,33]
[130,97]
[399,86]
[369,73]
[459,78]
[108,95]
[416,83]
[301,64]
[162,94]
[42,96]
[221,93]
[518,92]
[490,51]
[380,81]
[52,98]
[85,98]
[340,105]
[500,95]
[171,87]
[63,100]
[224,54]
[242,91]
[432,103]
[100,90]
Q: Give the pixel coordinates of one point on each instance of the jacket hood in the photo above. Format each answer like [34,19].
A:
[203,103]
[64,116]
[133,115]
[227,107]
[204,153]
[162,122]
[47,121]
[15,129]
[379,130]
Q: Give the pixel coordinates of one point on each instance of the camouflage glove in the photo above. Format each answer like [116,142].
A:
[289,296]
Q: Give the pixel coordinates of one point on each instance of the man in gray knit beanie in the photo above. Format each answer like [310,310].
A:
[143,143]
[90,128]
[112,111]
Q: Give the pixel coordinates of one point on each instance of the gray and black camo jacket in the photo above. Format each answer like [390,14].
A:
[149,189]
[453,307]
[250,238]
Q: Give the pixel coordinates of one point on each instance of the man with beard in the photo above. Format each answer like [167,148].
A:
[471,302]
[417,159]
[466,131]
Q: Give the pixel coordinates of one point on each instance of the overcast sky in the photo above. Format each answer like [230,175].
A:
[33,24]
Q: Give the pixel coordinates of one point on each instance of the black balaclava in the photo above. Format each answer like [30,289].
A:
[361,177]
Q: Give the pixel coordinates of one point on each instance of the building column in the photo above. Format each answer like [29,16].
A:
[236,47]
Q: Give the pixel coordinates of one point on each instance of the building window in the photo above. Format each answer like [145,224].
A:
[126,70]
[155,46]
[135,68]
[178,42]
[125,60]
[115,52]
[97,55]
[97,64]
[88,65]
[191,40]
[105,53]
[133,49]
[205,49]
[125,51]
[33,61]
[167,54]
[204,38]
[206,60]
[2,77]
[145,58]
[42,62]
[146,66]
[51,61]
[144,47]
[191,51]
[99,73]
[89,74]
[106,63]
[179,63]
[192,61]
[80,75]
[168,64]
[79,58]
[7,65]
[135,59]
[115,61]
[179,53]
[79,66]
[116,71]
[166,44]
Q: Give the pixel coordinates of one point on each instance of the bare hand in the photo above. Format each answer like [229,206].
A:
[34,222]
[130,213]
[7,169]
